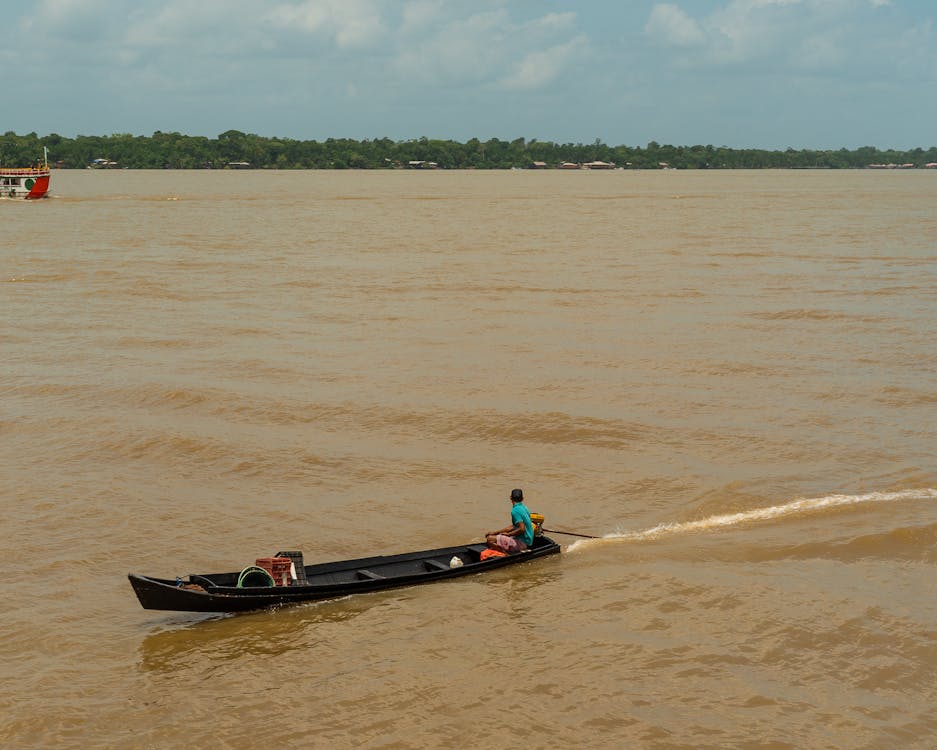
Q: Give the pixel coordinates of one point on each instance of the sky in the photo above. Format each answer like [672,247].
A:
[818,74]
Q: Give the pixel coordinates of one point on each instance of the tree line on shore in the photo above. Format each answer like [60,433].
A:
[236,149]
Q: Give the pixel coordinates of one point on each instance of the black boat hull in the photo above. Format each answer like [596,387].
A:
[219,592]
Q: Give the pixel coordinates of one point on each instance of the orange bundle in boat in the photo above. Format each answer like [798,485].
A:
[488,554]
[278,568]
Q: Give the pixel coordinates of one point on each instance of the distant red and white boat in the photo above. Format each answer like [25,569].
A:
[26,182]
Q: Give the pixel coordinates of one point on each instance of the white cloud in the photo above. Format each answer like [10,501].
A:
[749,29]
[419,14]
[821,51]
[62,12]
[77,20]
[351,24]
[462,50]
[479,47]
[538,69]
[672,25]
[820,34]
[554,22]
[210,24]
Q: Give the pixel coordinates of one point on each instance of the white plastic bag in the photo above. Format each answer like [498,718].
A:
[455,562]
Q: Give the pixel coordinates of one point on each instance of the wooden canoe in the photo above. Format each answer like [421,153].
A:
[219,592]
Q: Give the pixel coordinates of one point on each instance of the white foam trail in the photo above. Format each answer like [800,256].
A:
[794,507]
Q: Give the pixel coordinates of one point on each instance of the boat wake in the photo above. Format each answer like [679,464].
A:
[793,508]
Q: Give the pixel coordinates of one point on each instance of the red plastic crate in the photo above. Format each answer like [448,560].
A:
[278,567]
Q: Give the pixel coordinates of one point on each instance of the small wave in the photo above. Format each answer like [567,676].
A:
[814,314]
[743,254]
[907,397]
[162,446]
[42,278]
[157,343]
[721,369]
[913,543]
[728,520]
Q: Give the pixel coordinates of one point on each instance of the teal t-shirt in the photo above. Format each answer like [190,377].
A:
[520,513]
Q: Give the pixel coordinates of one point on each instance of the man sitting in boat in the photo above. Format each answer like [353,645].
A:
[520,534]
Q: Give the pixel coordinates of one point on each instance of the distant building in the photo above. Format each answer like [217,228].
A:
[422,165]
[569,165]
[238,165]
[538,165]
[599,165]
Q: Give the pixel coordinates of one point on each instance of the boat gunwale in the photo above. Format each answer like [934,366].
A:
[24,172]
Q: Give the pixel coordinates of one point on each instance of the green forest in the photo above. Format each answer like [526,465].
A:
[244,150]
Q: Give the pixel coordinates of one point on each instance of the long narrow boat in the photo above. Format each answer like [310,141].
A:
[26,182]
[221,592]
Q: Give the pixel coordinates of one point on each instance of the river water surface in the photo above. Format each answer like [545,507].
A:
[728,375]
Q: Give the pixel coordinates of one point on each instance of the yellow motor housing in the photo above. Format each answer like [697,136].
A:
[538,520]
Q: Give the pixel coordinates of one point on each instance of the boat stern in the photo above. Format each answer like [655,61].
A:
[39,187]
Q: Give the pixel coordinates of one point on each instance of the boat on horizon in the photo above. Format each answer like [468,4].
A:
[27,183]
